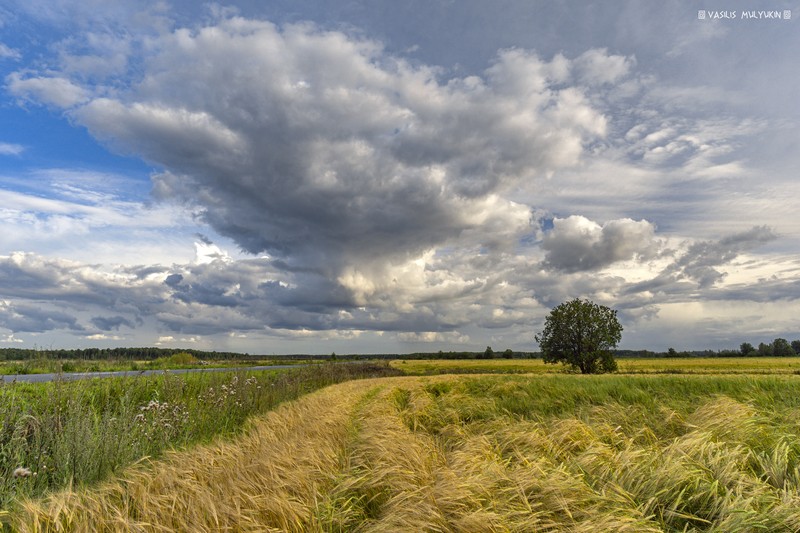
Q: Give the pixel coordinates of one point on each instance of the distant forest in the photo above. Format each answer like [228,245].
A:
[779,348]
[140,354]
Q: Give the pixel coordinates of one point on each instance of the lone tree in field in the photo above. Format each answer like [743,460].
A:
[581,334]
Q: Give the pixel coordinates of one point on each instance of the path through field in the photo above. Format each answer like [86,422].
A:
[467,454]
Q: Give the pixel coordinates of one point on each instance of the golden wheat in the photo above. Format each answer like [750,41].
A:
[435,454]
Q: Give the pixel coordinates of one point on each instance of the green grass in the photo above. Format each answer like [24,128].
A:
[614,453]
[73,433]
[688,365]
[175,361]
[498,453]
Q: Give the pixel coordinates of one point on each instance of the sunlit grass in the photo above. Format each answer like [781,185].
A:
[682,365]
[477,453]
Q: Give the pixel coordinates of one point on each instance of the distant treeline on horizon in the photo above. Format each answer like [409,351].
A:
[779,348]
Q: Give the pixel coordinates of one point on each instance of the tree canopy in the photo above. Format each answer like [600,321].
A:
[581,334]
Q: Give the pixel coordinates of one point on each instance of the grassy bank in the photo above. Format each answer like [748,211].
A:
[478,453]
[61,434]
[176,361]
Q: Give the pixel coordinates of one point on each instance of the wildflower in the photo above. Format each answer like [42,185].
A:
[21,471]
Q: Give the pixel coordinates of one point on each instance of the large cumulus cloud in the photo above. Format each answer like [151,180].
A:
[324,150]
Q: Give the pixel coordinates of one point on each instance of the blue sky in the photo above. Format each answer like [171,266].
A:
[309,176]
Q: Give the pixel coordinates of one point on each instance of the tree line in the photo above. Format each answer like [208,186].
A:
[141,354]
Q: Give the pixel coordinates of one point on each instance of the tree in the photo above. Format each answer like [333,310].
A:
[796,347]
[581,334]
[781,347]
[508,354]
[764,350]
[487,354]
[746,348]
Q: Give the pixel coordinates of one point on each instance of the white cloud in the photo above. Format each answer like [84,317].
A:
[44,212]
[104,337]
[56,91]
[11,149]
[427,337]
[576,243]
[9,53]
[596,66]
[10,338]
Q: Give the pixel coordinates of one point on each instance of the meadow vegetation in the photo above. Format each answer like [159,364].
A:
[63,434]
[460,453]
[177,360]
[677,365]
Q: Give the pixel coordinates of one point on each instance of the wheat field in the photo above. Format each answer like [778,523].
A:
[474,454]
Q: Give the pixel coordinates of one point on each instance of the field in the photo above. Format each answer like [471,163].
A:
[678,365]
[470,453]
[60,434]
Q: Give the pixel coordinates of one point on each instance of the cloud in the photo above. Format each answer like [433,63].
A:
[45,211]
[61,14]
[32,318]
[112,322]
[206,251]
[169,339]
[11,149]
[700,260]
[104,337]
[329,153]
[596,66]
[10,338]
[369,195]
[698,267]
[576,243]
[9,53]
[55,91]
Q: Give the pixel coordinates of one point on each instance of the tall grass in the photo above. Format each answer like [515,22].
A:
[678,365]
[64,434]
[465,454]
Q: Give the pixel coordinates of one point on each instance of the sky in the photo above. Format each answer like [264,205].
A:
[317,176]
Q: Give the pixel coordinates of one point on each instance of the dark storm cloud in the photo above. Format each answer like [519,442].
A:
[111,322]
[33,318]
